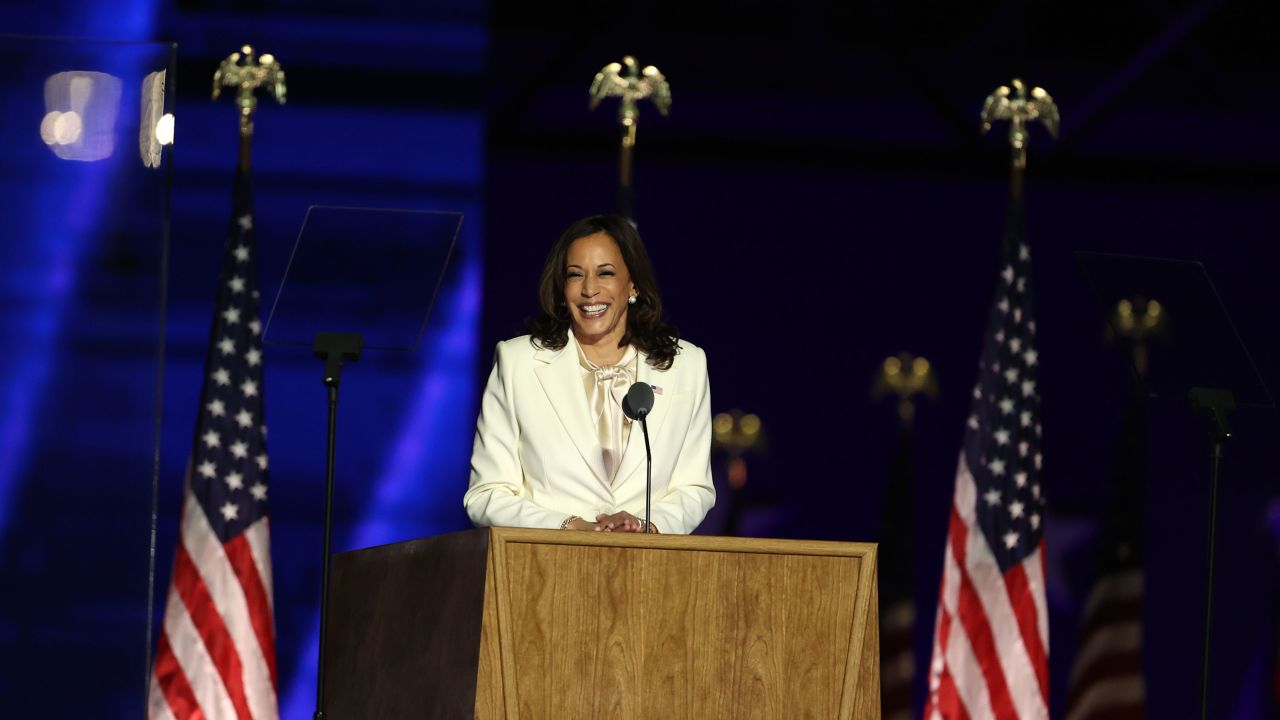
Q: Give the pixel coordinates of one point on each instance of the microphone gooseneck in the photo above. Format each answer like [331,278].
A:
[648,473]
[637,405]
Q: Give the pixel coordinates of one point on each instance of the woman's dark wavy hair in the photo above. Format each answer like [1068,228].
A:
[646,327]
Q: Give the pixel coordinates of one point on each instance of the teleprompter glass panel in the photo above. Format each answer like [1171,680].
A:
[84,190]
[368,271]
[1200,346]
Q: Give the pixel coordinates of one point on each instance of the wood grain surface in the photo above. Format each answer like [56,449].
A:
[533,624]
[405,626]
[595,625]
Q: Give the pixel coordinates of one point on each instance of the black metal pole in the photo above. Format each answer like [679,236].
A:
[334,349]
[648,472]
[328,540]
[1215,464]
[1214,403]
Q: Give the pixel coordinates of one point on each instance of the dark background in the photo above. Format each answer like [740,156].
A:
[819,198]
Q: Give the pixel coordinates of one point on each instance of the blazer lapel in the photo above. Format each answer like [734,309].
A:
[633,457]
[561,380]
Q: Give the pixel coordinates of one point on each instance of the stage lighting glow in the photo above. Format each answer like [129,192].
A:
[164,129]
[67,128]
[81,108]
[61,128]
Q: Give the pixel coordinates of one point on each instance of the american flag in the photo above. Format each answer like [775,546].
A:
[991,634]
[215,656]
[1106,678]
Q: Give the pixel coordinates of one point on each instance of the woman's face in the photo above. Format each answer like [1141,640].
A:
[596,288]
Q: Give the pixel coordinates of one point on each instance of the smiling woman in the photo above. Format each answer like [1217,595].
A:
[604,257]
[552,445]
[596,281]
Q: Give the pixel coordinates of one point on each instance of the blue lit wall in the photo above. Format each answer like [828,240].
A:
[80,316]
[362,140]
[78,405]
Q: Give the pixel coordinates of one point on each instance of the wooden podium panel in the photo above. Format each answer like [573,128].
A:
[404,628]
[587,625]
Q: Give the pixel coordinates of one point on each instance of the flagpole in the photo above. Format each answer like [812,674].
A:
[1020,106]
[247,72]
[1016,175]
[904,377]
[995,539]
[241,70]
[1115,600]
[626,198]
[246,153]
[737,434]
[226,491]
[625,80]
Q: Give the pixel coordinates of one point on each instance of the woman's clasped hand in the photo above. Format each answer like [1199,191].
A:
[606,522]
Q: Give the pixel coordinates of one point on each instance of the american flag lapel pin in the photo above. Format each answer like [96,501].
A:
[657,389]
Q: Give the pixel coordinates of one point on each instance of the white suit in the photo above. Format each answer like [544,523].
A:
[537,458]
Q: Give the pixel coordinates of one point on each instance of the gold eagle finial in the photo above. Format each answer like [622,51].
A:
[627,81]
[247,72]
[1014,103]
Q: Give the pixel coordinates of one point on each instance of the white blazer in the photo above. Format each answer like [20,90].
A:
[537,458]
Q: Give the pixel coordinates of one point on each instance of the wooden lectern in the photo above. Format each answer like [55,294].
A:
[514,623]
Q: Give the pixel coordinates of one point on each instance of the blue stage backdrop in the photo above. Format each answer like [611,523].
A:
[83,287]
[405,420]
[819,199]
[82,284]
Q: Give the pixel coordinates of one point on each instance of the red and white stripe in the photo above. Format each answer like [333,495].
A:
[1106,680]
[991,636]
[215,657]
[897,659]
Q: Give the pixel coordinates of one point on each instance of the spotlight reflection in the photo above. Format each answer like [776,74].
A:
[164,129]
[81,109]
[61,128]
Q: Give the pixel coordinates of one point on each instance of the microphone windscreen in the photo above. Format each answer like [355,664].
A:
[638,402]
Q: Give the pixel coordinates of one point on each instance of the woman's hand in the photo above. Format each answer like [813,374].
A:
[578,523]
[621,522]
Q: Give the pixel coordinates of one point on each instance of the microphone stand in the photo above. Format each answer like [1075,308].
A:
[333,348]
[648,472]
[1214,403]
[637,405]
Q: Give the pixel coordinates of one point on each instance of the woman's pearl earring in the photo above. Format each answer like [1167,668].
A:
[631,300]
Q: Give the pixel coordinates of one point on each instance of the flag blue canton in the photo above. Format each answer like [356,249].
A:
[229,455]
[1002,438]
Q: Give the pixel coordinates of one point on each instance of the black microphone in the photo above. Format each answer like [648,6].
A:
[636,405]
[638,402]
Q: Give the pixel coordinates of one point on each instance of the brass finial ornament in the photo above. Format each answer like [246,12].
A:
[627,81]
[1139,320]
[1014,103]
[737,434]
[247,72]
[906,377]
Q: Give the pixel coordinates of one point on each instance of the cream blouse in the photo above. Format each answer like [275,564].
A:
[605,388]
